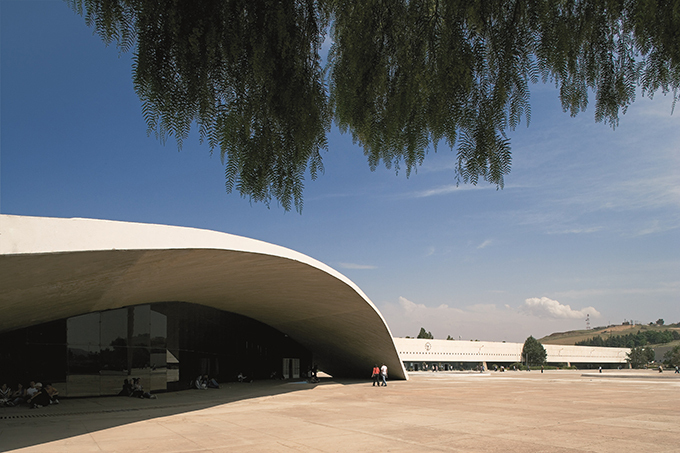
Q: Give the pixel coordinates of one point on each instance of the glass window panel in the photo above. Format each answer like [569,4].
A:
[141,334]
[114,359]
[158,359]
[172,366]
[112,384]
[83,355]
[159,375]
[83,359]
[114,328]
[159,380]
[159,330]
[114,342]
[141,360]
[83,330]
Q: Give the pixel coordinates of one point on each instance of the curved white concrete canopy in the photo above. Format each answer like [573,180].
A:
[53,268]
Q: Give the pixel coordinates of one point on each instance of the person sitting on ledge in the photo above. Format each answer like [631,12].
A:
[44,397]
[30,391]
[200,384]
[18,396]
[127,388]
[211,382]
[53,393]
[138,390]
[5,394]
[243,378]
[35,395]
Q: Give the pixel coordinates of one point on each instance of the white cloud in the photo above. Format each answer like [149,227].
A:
[356,266]
[443,190]
[449,188]
[577,230]
[409,306]
[548,308]
[655,226]
[474,322]
[485,244]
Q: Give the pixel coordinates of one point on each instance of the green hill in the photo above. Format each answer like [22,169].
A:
[574,336]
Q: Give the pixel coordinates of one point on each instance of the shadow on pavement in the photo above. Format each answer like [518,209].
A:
[22,427]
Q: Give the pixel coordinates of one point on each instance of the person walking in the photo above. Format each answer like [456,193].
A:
[375,375]
[383,375]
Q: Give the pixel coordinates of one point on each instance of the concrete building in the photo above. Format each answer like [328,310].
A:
[415,352]
[85,303]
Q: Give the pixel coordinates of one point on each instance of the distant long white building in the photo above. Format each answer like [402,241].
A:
[414,352]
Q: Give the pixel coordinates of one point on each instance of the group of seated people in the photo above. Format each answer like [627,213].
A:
[35,395]
[135,389]
[203,382]
[38,395]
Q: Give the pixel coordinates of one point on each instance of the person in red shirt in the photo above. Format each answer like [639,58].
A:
[376,376]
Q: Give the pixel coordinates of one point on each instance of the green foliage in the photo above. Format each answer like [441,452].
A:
[247,72]
[659,322]
[632,340]
[638,356]
[672,356]
[401,76]
[533,352]
[425,334]
[449,337]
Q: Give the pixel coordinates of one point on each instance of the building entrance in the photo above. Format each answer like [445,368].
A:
[291,368]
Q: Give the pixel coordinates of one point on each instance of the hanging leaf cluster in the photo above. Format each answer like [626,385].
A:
[401,76]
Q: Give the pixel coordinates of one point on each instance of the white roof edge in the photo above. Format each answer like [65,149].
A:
[30,234]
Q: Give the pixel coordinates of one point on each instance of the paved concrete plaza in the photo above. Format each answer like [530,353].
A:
[557,411]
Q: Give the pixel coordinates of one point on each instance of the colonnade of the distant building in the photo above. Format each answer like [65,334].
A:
[419,353]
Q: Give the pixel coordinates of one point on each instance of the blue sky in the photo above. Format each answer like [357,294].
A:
[588,221]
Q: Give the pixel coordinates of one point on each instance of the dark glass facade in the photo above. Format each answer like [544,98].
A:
[166,345]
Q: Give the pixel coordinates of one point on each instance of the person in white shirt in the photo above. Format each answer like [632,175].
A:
[383,375]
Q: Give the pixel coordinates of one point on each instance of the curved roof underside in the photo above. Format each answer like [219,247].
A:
[56,268]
